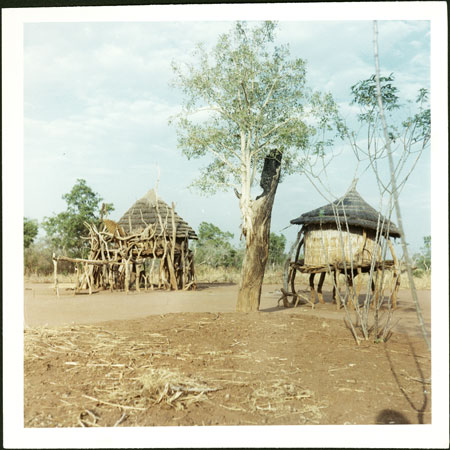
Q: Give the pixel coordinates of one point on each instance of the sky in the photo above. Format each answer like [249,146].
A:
[97,101]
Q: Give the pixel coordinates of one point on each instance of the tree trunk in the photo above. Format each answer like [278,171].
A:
[257,237]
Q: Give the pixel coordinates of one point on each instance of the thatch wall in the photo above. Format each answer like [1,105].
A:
[323,245]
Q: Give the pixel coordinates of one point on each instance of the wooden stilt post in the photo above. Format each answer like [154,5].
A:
[111,277]
[351,298]
[150,275]
[183,265]
[138,276]
[127,276]
[171,256]
[319,287]
[88,278]
[338,291]
[55,273]
[312,295]
[293,273]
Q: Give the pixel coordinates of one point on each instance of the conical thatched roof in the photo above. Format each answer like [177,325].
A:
[357,212]
[145,212]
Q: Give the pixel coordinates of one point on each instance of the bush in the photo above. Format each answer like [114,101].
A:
[66,229]
[277,256]
[213,248]
[422,260]
[30,231]
[38,260]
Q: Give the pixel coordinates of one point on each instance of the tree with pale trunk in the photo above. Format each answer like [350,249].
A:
[248,110]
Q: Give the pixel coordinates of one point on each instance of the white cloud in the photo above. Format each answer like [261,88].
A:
[97,103]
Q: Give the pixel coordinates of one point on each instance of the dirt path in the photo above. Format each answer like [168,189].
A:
[42,307]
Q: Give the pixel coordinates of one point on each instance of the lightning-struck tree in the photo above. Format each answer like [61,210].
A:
[248,110]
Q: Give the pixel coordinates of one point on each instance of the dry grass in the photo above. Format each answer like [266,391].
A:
[171,387]
[127,382]
[277,398]
[422,282]
[128,376]
[39,278]
[206,274]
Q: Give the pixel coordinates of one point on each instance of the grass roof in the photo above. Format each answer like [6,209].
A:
[350,208]
[145,212]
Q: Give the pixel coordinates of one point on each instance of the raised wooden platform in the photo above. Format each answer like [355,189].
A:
[301,267]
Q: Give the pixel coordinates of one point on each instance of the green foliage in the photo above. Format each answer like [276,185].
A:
[277,245]
[414,129]
[422,260]
[66,229]
[245,98]
[408,130]
[214,249]
[208,232]
[38,258]
[365,93]
[30,231]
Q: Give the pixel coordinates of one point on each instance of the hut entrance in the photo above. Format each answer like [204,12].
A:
[347,237]
[147,248]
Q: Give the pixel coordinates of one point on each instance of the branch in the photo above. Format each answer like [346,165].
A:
[269,95]
[277,126]
[394,188]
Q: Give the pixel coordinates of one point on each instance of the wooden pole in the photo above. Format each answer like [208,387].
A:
[77,281]
[88,261]
[396,275]
[150,275]
[293,272]
[392,170]
[287,269]
[312,294]
[138,274]
[338,291]
[359,283]
[127,277]
[171,258]
[86,273]
[183,263]
[55,273]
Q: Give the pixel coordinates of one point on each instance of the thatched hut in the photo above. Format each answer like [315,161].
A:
[163,236]
[149,244]
[345,236]
[151,210]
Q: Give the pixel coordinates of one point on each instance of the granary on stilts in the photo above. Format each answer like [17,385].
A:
[346,237]
[149,245]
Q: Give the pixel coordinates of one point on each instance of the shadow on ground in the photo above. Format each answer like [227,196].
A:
[391,417]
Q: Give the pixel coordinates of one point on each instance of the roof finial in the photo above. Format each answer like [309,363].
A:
[151,196]
[353,185]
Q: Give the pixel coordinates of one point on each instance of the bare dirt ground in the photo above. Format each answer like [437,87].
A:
[186,358]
